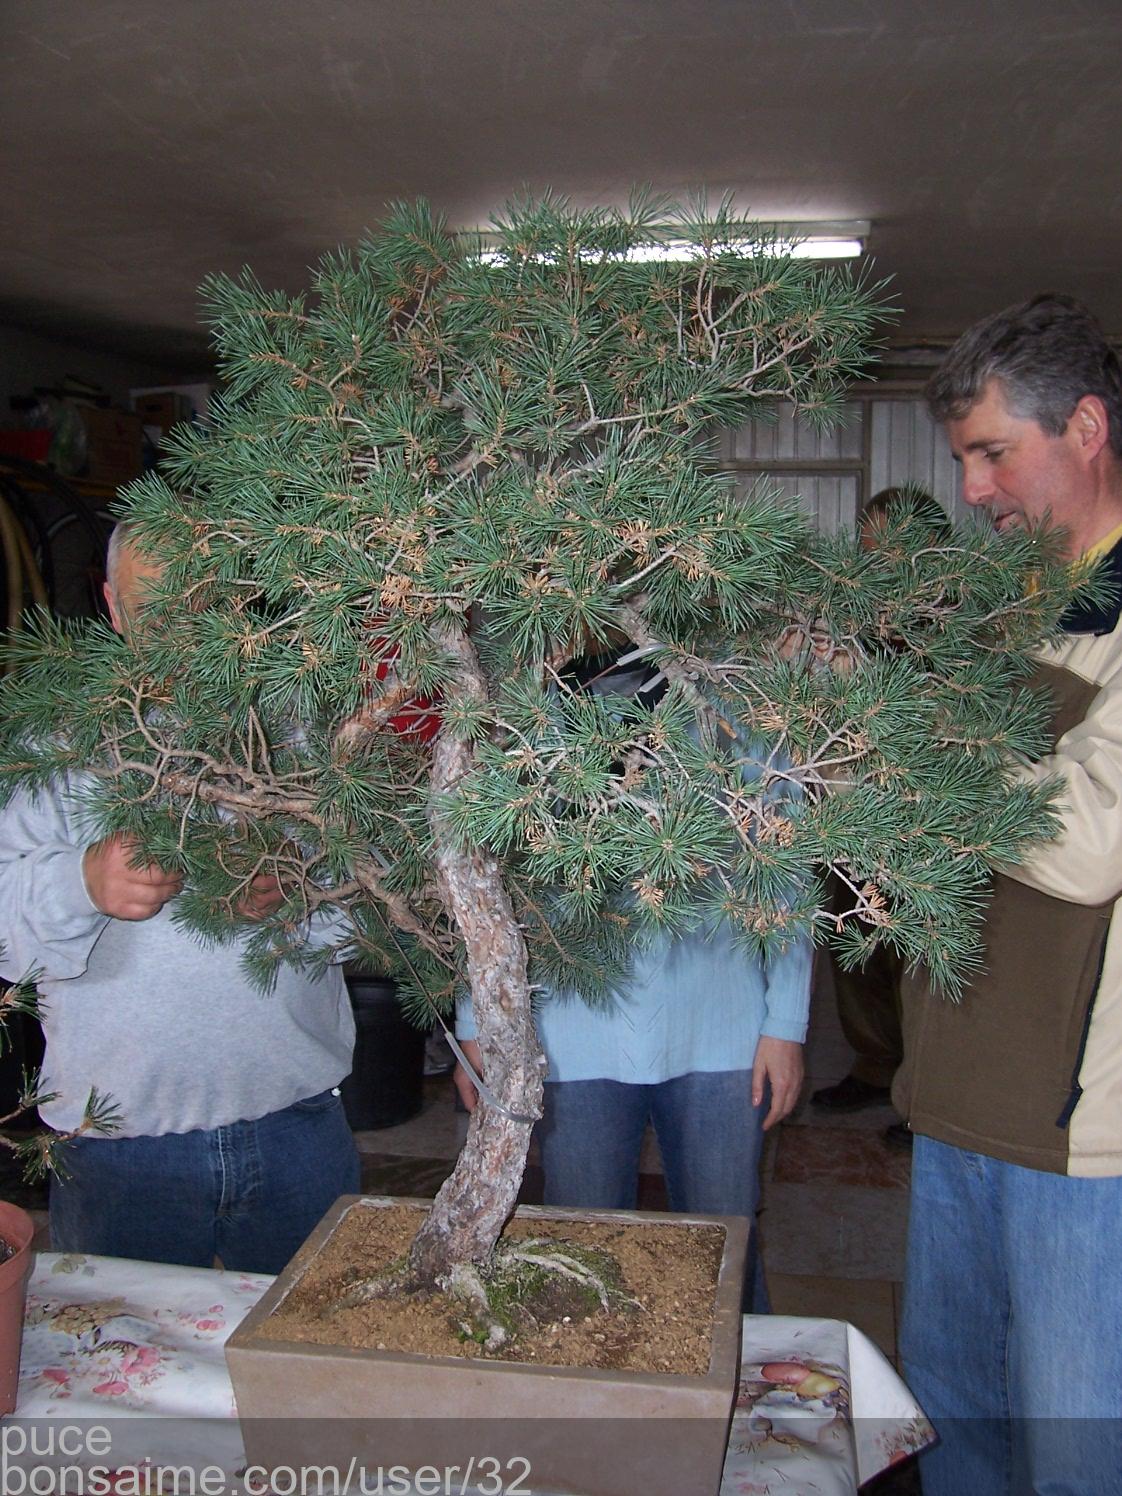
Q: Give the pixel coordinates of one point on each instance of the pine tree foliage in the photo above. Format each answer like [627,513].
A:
[510,448]
[436,490]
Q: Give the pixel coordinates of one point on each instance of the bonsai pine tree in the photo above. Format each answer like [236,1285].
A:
[432,484]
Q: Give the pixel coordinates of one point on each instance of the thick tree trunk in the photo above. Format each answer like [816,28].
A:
[475,1201]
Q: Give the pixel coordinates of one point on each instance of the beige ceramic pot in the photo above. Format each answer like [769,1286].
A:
[16,1228]
[524,1428]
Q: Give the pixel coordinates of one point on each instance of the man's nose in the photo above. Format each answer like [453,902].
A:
[976,485]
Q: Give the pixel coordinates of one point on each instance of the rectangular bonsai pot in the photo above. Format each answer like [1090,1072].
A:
[527,1429]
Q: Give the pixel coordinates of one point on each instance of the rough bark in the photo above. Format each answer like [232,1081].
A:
[477,1198]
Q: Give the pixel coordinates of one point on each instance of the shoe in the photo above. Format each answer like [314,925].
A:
[900,1136]
[850,1095]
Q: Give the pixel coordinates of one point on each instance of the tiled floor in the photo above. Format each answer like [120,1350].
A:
[834,1204]
[836,1201]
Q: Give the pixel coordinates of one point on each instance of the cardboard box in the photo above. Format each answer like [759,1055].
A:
[162,408]
[113,444]
[195,398]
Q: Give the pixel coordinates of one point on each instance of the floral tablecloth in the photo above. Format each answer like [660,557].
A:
[819,1410]
[132,1352]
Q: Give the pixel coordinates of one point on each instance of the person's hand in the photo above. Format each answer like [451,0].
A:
[122,887]
[464,1083]
[263,896]
[791,644]
[780,1062]
[816,649]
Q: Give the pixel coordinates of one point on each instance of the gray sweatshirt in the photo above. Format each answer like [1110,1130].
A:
[164,1024]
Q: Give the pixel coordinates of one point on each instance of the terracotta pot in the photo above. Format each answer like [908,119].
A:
[16,1228]
[588,1432]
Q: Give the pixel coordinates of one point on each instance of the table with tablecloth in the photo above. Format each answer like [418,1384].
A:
[129,1355]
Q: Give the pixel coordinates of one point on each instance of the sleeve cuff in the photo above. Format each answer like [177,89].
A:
[75,904]
[465,1019]
[780,1028]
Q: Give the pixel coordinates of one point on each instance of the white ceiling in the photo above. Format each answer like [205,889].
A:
[146,143]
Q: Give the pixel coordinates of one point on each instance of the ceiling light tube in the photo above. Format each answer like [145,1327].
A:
[831,240]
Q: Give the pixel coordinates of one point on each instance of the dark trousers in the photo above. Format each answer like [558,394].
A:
[869,1009]
[868,1004]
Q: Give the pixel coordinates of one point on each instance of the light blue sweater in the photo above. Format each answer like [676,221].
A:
[695,1004]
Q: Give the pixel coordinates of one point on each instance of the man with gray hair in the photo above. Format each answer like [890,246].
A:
[233,1142]
[1012,1330]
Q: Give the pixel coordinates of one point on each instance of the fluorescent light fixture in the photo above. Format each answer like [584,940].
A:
[824,239]
[835,239]
[826,249]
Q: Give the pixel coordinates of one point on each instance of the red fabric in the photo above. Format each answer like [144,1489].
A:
[417,719]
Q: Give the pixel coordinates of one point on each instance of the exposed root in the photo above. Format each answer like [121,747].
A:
[465,1282]
[532,1282]
[538,1252]
[526,1283]
[385,1286]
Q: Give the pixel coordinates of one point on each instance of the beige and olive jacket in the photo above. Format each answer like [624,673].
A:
[1028,1067]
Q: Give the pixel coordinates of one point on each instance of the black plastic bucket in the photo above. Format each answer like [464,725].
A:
[386,1085]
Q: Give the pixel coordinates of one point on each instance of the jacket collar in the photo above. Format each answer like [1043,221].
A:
[1101,617]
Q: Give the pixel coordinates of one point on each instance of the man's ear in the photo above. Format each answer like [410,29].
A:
[111,603]
[1090,425]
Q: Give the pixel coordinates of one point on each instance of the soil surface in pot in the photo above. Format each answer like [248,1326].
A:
[670,1270]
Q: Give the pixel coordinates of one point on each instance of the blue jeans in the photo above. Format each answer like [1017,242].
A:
[1012,1331]
[249,1193]
[709,1134]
